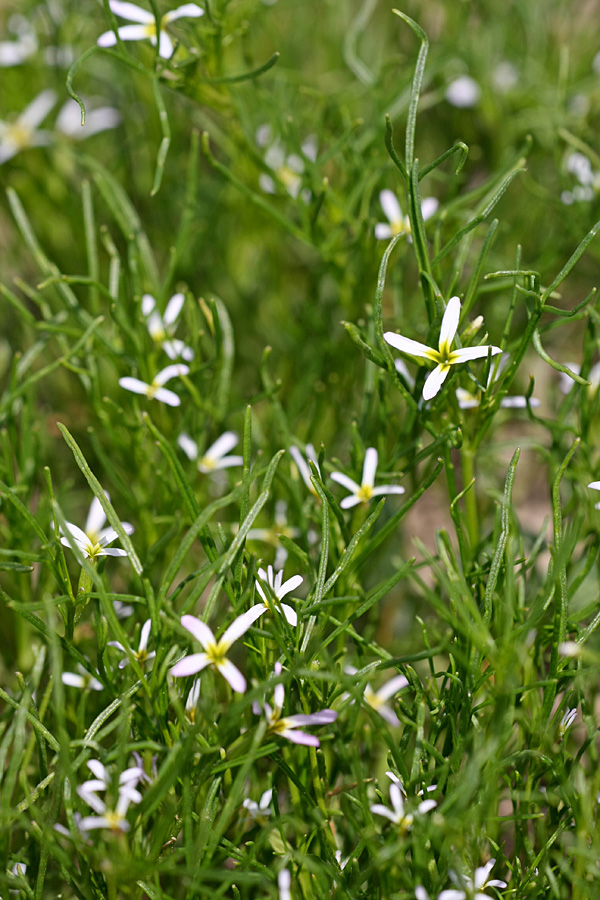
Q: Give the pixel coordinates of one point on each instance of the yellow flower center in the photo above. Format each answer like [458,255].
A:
[207,462]
[20,134]
[365,492]
[401,226]
[115,820]
[288,177]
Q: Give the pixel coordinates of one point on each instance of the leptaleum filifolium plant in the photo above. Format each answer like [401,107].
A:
[272,697]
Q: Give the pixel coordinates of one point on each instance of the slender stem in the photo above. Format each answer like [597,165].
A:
[467,459]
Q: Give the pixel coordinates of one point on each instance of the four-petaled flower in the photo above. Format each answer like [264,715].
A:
[444,356]
[146,29]
[142,654]
[473,887]
[279,591]
[216,456]
[94,540]
[23,132]
[156,391]
[215,651]
[397,222]
[398,814]
[362,493]
[286,726]
[162,328]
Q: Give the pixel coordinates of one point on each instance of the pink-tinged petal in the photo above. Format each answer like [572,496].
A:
[290,614]
[434,381]
[96,517]
[595,485]
[233,675]
[199,629]
[468,353]
[345,481]
[169,372]
[323,717]
[387,489]
[412,348]
[145,634]
[370,467]
[388,714]
[240,626]
[98,771]
[290,585]
[188,9]
[392,687]
[165,46]
[167,396]
[429,207]
[390,206]
[189,446]
[35,113]
[112,551]
[190,665]
[174,307]
[299,737]
[383,232]
[449,324]
[381,810]
[279,695]
[222,445]
[107,39]
[134,385]
[130,11]
[349,502]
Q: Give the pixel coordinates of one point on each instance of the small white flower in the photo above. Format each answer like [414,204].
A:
[398,814]
[142,654]
[463,92]
[94,539]
[82,680]
[115,819]
[191,703]
[156,391]
[286,727]
[377,699]
[215,651]
[570,648]
[362,493]
[567,720]
[444,356]
[146,30]
[216,456]
[24,132]
[162,328]
[398,222]
[473,888]
[261,810]
[302,464]
[279,591]
[589,180]
[99,119]
[287,168]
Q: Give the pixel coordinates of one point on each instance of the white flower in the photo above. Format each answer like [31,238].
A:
[15,53]
[567,720]
[398,222]
[302,464]
[398,814]
[467,400]
[156,391]
[362,493]
[215,651]
[463,92]
[271,535]
[23,132]
[102,118]
[279,591]
[284,882]
[192,701]
[286,727]
[82,680]
[127,794]
[444,356]
[473,888]
[142,654]
[287,168]
[162,328]
[216,456]
[102,779]
[146,30]
[94,540]
[261,810]
[589,179]
[377,699]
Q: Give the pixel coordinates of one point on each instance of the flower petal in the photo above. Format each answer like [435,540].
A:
[240,626]
[434,382]
[383,232]
[369,467]
[233,675]
[290,585]
[145,634]
[388,489]
[174,307]
[349,502]
[130,11]
[468,353]
[429,207]
[323,717]
[188,9]
[166,396]
[199,630]
[165,45]
[189,446]
[392,687]
[134,385]
[413,348]
[388,714]
[96,517]
[169,372]
[449,324]
[35,113]
[390,206]
[189,665]
[222,445]
[345,481]
[133,32]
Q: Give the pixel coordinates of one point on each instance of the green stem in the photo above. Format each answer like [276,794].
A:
[467,458]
